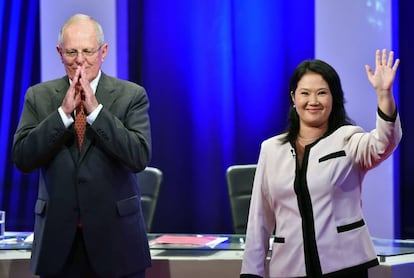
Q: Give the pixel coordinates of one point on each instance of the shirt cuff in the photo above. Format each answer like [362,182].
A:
[94,114]
[67,120]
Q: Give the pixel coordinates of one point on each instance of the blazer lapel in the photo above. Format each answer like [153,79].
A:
[105,97]
[61,88]
[104,91]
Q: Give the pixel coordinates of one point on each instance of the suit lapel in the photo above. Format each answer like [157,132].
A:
[104,91]
[61,88]
[104,95]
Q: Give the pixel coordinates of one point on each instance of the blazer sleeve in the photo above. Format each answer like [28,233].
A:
[261,222]
[122,128]
[371,148]
[40,131]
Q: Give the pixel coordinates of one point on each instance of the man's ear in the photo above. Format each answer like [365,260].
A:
[59,50]
[104,51]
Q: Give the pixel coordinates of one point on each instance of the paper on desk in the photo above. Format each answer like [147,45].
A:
[198,240]
[29,238]
[16,237]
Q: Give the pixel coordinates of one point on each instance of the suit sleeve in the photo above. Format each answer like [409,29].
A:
[40,132]
[123,130]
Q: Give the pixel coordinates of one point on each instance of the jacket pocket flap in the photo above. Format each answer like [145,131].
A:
[349,227]
[40,206]
[332,155]
[128,206]
[278,239]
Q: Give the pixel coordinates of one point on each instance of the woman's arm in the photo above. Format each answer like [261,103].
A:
[382,79]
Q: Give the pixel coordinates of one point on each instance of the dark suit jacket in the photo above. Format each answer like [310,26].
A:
[98,185]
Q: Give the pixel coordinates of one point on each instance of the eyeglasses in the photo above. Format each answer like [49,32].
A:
[73,53]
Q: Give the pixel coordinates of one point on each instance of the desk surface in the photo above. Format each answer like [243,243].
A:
[214,242]
[222,260]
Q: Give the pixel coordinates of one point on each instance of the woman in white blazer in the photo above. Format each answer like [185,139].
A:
[307,186]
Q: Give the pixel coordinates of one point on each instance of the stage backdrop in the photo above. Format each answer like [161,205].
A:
[349,44]
[19,68]
[217,76]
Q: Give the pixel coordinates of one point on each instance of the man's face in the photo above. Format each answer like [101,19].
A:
[80,48]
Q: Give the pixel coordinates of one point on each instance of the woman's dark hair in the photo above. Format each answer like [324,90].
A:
[338,116]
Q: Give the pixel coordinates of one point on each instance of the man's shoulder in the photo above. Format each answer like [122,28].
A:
[120,86]
[116,82]
[54,83]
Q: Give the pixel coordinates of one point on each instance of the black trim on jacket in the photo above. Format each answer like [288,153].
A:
[312,262]
[387,118]
[250,276]
[348,227]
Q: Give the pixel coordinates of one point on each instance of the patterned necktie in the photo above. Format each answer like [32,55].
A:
[80,124]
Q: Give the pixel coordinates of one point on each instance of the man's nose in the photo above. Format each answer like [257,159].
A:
[80,59]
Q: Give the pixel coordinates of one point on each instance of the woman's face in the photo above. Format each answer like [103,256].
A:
[313,101]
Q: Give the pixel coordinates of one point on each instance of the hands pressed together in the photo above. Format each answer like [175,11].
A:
[79,90]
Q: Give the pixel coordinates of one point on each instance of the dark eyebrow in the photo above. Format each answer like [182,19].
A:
[317,90]
[323,89]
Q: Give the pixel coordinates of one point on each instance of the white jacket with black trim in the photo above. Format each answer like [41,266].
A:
[315,213]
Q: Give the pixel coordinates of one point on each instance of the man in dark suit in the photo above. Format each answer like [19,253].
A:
[88,218]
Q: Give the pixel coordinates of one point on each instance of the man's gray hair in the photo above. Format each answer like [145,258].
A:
[79,17]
